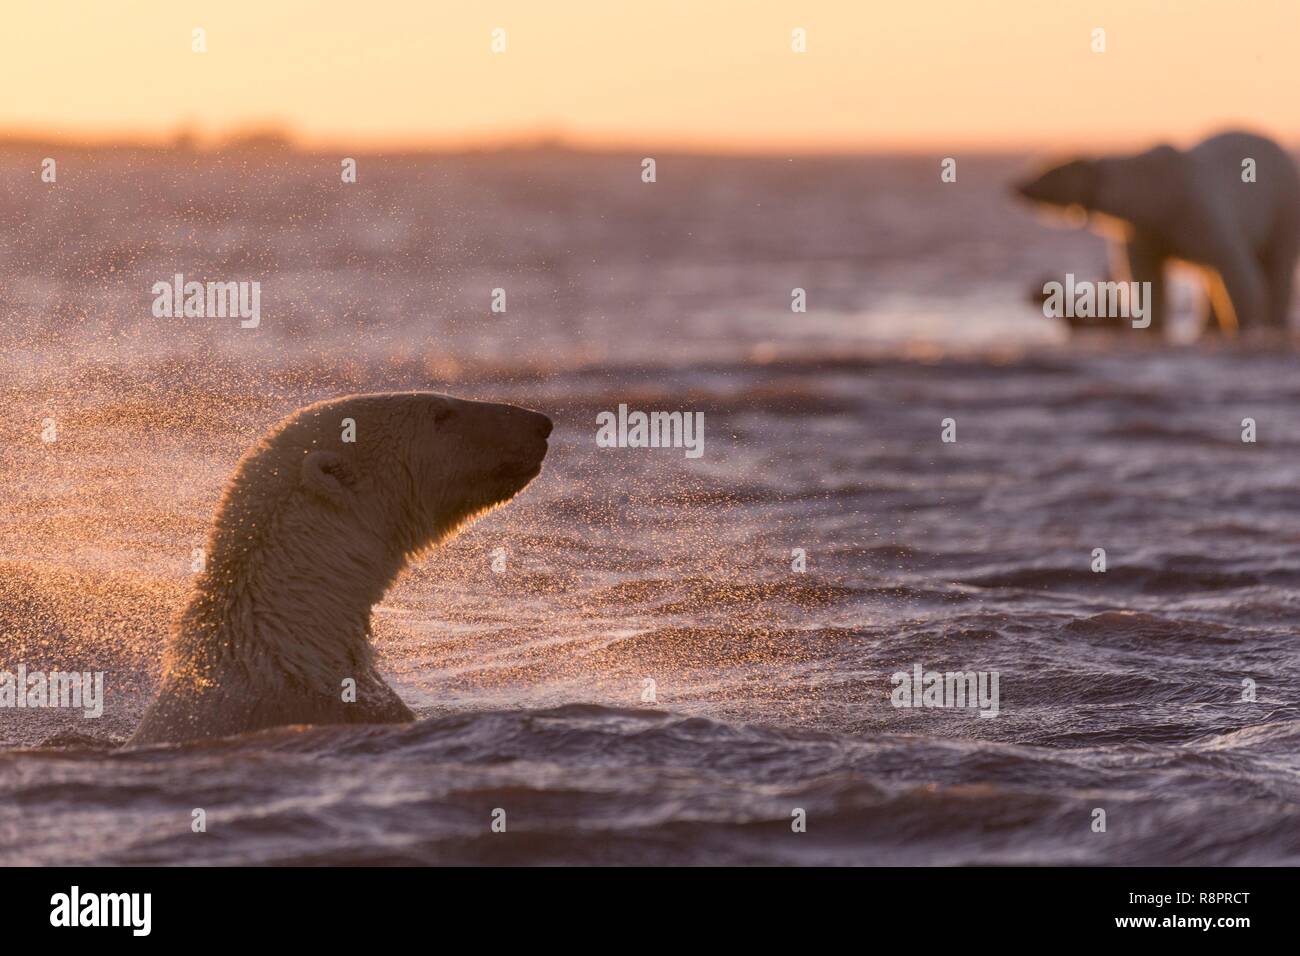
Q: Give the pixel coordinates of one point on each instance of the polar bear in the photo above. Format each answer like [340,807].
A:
[1230,205]
[311,531]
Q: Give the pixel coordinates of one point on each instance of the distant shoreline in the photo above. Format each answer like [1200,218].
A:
[275,140]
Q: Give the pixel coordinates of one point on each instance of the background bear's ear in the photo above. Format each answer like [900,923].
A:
[327,475]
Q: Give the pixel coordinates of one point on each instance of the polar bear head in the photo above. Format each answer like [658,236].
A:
[1142,189]
[335,499]
[317,521]
[1072,183]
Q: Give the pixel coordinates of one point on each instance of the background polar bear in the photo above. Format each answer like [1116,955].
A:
[1166,204]
[310,533]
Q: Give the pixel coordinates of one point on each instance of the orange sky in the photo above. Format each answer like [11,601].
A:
[719,74]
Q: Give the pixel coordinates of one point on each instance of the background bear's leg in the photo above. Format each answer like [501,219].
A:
[1144,261]
[1241,294]
[1212,323]
[1279,271]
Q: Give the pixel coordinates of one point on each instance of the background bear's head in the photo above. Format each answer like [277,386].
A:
[1142,189]
[1073,183]
[343,492]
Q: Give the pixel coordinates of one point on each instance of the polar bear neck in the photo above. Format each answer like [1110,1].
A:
[284,604]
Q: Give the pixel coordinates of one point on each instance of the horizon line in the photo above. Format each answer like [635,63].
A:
[280,137]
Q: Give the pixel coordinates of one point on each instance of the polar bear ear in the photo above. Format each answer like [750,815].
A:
[327,475]
[1072,183]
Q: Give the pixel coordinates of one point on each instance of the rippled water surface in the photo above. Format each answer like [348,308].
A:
[1121,691]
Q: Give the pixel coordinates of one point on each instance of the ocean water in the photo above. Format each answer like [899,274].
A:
[1119,691]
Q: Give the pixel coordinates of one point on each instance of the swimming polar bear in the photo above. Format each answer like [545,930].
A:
[311,531]
[1230,205]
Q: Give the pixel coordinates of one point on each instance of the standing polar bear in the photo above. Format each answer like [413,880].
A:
[310,533]
[1230,205]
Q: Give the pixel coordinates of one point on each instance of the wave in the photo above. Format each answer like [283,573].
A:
[601,785]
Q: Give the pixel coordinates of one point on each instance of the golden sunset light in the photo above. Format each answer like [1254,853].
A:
[620,437]
[699,75]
